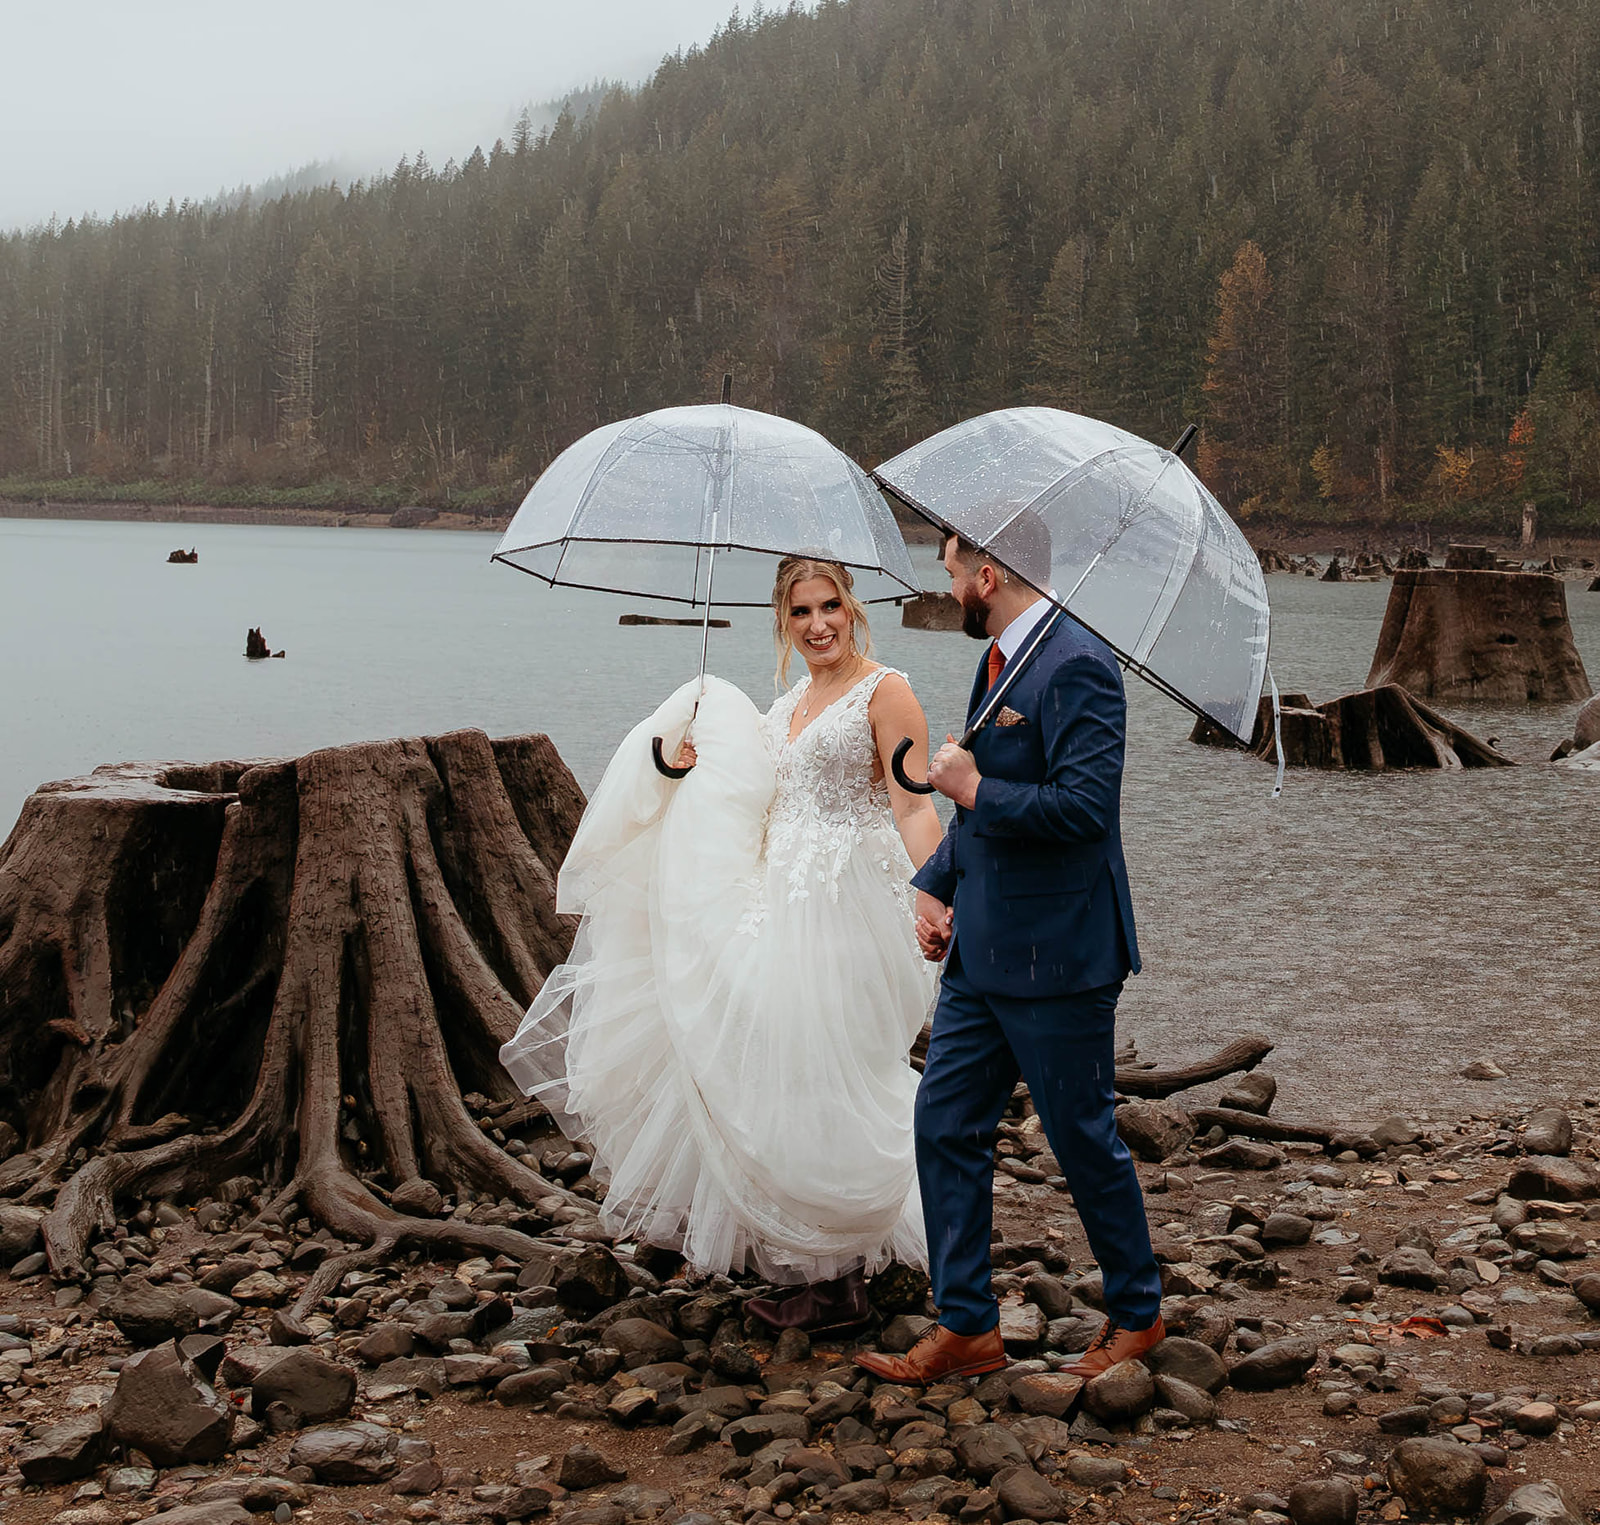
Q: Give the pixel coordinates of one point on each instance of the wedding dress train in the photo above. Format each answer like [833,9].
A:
[730,1033]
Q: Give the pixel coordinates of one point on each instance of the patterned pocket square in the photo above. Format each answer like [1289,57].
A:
[1009,716]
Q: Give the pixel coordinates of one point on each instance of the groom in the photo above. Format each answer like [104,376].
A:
[1027,899]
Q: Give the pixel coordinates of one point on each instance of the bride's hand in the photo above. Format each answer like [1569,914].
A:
[687,756]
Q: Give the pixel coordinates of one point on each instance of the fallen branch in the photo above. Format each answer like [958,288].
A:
[1242,1054]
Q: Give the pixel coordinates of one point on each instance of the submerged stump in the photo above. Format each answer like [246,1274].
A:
[931,611]
[294,967]
[1501,636]
[1372,730]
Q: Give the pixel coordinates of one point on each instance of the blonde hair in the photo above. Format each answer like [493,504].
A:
[796,569]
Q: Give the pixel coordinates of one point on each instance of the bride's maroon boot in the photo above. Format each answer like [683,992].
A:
[824,1305]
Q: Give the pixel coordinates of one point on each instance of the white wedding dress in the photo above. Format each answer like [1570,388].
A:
[730,1035]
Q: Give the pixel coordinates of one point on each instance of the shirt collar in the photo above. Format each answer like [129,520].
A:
[1011,638]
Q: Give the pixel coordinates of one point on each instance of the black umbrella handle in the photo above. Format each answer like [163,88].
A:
[663,767]
[897,766]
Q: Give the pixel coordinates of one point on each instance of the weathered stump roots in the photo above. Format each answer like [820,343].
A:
[296,968]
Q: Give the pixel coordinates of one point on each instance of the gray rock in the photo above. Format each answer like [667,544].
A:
[425,1476]
[1190,1361]
[1094,1472]
[313,1388]
[1551,1178]
[1548,1131]
[165,1408]
[1279,1363]
[864,1497]
[388,1342]
[1194,1403]
[1550,1241]
[1022,1327]
[521,1503]
[63,1452]
[1046,1392]
[20,1234]
[1282,1229]
[1411,1419]
[1251,1092]
[1323,1501]
[1025,1495]
[1587,1289]
[1120,1393]
[986,1449]
[1437,1476]
[1541,1503]
[903,1331]
[418,1196]
[1395,1130]
[1154,1130]
[356,1453]
[1243,1154]
[638,1337]
[213,1512]
[421,1375]
[593,1281]
[1411,1267]
[749,1435]
[150,1315]
[1049,1293]
[584,1467]
[536,1385]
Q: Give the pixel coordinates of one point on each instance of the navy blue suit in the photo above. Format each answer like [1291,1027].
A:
[1043,940]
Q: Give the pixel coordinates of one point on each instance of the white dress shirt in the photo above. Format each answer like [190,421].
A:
[1011,639]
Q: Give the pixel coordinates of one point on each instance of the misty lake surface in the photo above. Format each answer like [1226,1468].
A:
[1383,930]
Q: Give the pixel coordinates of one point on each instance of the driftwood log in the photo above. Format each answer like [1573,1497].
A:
[1256,1125]
[1151,1082]
[1459,634]
[292,967]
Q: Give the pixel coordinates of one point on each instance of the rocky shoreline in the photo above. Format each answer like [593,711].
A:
[1406,1327]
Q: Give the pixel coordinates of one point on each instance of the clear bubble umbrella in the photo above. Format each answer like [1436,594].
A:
[656,506]
[1119,534]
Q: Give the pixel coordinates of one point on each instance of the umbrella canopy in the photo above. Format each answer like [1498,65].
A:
[644,506]
[1119,533]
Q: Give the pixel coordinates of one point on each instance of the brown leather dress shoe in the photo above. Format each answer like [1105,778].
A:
[940,1353]
[1113,1344]
[824,1305]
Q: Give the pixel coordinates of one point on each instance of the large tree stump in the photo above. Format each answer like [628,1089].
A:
[292,967]
[1372,729]
[1479,635]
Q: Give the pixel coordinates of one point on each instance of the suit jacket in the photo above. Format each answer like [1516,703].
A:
[1035,870]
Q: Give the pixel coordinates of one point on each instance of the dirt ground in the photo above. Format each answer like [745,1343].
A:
[1445,1186]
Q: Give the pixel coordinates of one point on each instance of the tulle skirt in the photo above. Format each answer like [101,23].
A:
[733,1053]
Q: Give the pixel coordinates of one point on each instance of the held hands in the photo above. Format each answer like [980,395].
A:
[954,773]
[934,920]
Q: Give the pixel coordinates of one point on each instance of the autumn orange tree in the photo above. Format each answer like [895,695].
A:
[1241,455]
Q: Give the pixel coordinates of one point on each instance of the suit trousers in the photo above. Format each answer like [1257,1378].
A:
[1064,1047]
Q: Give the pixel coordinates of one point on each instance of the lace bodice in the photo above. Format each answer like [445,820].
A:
[826,805]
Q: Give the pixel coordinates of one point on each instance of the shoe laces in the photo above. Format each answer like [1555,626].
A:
[1108,1332]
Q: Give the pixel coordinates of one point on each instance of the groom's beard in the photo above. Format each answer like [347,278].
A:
[975,617]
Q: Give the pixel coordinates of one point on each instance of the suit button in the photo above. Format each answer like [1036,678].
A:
[961,873]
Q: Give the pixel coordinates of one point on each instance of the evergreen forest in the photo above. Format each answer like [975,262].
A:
[1358,241]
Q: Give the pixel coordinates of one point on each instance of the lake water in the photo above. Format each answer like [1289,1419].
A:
[1384,930]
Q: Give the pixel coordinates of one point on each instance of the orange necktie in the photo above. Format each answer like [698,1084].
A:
[996,662]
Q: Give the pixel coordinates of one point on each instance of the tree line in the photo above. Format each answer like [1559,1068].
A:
[1355,240]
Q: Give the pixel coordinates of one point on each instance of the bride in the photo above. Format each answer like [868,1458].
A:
[731,1031]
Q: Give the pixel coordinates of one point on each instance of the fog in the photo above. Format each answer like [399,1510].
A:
[109,106]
